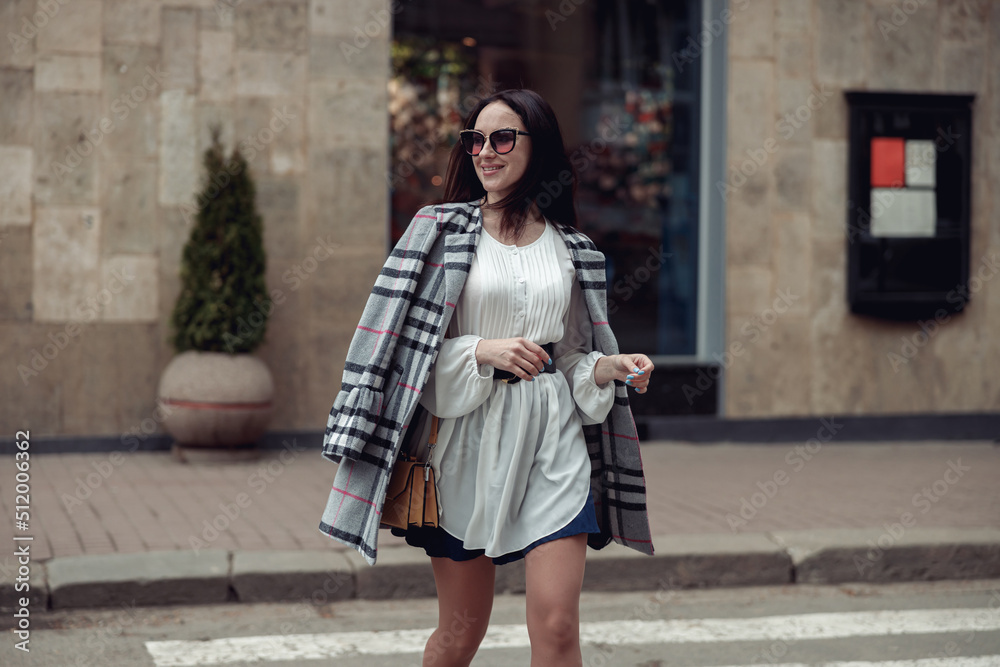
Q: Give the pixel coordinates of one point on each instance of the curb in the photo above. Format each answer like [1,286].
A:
[682,561]
[141,579]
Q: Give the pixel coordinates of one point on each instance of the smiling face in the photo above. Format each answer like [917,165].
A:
[499,174]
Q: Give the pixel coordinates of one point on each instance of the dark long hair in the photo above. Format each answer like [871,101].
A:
[549,181]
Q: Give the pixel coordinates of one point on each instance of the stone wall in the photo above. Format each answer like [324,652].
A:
[106,108]
[785,224]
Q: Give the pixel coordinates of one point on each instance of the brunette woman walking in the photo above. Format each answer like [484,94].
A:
[537,453]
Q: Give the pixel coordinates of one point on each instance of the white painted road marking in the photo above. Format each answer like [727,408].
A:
[800,627]
[977,661]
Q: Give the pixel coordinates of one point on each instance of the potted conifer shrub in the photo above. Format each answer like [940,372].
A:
[216,396]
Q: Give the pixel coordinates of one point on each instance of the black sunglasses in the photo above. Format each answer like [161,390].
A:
[502,141]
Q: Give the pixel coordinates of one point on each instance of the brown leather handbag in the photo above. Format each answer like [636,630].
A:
[411,499]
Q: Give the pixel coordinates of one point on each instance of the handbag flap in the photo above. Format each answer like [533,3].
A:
[400,479]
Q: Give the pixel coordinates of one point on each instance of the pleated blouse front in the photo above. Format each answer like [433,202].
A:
[511,461]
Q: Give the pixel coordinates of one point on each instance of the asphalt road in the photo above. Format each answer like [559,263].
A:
[943,624]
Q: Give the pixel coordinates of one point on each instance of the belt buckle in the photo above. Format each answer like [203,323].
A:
[511,380]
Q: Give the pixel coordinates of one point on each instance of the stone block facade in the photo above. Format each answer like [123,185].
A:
[107,108]
[789,63]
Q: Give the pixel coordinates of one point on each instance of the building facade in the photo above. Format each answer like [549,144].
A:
[711,141]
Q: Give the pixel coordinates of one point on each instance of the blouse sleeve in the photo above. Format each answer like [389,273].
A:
[576,358]
[457,385]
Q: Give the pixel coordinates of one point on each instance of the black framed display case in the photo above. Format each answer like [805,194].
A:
[909,203]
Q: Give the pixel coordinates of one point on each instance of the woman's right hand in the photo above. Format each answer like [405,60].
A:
[518,355]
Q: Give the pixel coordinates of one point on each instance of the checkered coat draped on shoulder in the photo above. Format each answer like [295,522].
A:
[390,358]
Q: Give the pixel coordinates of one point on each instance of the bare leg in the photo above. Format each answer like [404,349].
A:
[465,600]
[554,577]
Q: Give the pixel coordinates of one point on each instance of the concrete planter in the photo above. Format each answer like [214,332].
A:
[213,399]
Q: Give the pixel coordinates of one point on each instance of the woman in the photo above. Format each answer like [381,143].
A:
[515,380]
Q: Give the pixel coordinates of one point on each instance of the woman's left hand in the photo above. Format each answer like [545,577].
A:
[632,369]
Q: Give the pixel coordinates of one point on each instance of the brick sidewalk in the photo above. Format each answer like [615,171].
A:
[100,503]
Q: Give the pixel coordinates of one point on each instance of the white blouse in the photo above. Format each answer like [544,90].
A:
[511,461]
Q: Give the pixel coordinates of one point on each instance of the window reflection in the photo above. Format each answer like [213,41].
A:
[628,112]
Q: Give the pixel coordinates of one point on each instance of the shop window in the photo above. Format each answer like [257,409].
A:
[627,96]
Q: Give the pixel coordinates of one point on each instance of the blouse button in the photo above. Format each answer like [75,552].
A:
[514,251]
[520,280]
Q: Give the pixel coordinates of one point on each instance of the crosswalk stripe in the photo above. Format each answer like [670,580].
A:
[790,628]
[971,661]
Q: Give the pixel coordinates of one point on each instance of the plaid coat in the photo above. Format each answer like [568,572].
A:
[390,358]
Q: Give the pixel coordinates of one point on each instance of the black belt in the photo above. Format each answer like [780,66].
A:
[510,378]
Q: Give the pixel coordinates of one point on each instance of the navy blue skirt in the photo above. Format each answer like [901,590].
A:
[438,543]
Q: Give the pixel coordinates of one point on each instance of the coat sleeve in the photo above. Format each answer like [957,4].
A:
[357,407]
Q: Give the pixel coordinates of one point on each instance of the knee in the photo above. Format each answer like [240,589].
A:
[561,630]
[460,638]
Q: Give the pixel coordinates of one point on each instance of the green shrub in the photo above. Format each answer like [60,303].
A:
[223,304]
